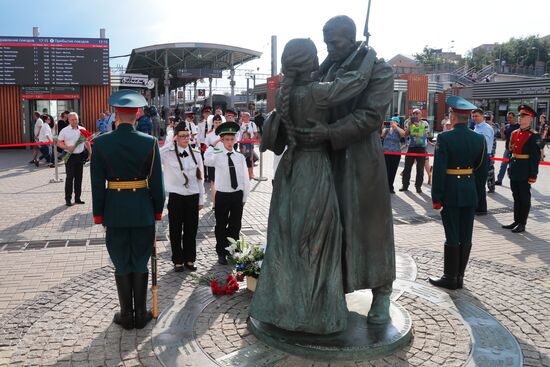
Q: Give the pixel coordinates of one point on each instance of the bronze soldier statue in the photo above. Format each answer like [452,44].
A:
[358,167]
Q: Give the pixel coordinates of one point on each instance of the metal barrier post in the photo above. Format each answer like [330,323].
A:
[56,179]
[261,178]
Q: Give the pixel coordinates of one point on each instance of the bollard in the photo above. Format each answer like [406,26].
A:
[261,178]
[56,178]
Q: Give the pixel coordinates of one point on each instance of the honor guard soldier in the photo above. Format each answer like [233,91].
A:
[232,187]
[128,205]
[525,145]
[459,172]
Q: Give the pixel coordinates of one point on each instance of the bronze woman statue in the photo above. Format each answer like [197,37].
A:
[300,287]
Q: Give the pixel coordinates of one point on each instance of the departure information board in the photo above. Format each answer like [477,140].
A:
[54,61]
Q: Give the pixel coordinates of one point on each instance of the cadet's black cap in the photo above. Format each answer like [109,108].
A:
[229,111]
[206,108]
[227,128]
[180,127]
[527,109]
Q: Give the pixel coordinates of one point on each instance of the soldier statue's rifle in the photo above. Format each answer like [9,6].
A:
[362,45]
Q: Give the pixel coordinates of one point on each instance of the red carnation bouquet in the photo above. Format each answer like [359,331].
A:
[85,135]
[230,286]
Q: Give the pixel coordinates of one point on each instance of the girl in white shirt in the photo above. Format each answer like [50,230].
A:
[183,180]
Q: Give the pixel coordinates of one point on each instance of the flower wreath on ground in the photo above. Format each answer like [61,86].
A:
[246,257]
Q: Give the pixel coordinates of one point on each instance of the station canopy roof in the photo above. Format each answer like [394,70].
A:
[184,59]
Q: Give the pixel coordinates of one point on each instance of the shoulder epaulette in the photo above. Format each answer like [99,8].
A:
[216,150]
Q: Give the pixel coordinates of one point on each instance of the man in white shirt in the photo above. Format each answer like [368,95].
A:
[232,187]
[248,126]
[184,181]
[482,128]
[37,125]
[79,154]
[45,136]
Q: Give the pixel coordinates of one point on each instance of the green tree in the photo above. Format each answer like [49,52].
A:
[428,56]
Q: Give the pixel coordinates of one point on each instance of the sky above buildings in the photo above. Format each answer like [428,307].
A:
[398,26]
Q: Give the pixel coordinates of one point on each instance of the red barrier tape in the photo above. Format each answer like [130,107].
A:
[256,141]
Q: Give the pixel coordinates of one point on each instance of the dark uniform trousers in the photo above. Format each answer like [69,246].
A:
[229,212]
[482,194]
[130,248]
[392,163]
[458,223]
[521,192]
[74,168]
[409,161]
[183,217]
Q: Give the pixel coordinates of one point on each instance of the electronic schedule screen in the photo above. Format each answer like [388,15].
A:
[54,61]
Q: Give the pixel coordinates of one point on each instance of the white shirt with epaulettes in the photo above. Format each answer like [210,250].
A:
[217,158]
[174,181]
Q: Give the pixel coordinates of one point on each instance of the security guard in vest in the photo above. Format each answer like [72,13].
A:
[525,145]
[128,204]
[459,171]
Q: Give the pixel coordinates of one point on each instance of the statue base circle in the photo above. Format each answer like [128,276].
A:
[360,341]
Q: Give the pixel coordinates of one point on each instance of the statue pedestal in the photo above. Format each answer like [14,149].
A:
[360,341]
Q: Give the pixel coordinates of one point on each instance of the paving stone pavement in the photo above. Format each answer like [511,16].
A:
[57,294]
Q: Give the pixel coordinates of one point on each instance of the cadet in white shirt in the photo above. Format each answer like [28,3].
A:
[213,140]
[203,127]
[202,130]
[218,111]
[190,124]
[232,187]
[183,179]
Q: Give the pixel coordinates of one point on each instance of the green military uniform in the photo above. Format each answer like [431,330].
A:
[128,195]
[459,172]
[524,146]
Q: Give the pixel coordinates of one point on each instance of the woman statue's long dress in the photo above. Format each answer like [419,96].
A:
[300,287]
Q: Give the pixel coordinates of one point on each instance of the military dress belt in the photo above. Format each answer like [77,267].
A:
[460,171]
[520,156]
[127,185]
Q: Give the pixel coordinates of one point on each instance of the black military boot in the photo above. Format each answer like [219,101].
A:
[510,226]
[125,317]
[450,269]
[464,257]
[380,308]
[141,315]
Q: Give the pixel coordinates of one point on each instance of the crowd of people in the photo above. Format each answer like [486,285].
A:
[412,136]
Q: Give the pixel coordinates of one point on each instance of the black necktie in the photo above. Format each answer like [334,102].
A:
[232,172]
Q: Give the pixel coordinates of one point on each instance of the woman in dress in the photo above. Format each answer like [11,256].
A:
[300,287]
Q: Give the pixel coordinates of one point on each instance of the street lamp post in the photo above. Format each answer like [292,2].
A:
[536,60]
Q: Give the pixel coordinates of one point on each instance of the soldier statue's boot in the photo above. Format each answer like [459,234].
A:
[379,313]
[125,317]
[464,257]
[450,269]
[141,315]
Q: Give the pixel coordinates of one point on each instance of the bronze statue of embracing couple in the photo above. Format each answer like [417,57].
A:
[330,229]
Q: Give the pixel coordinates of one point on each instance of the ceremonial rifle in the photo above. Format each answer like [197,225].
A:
[154,272]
